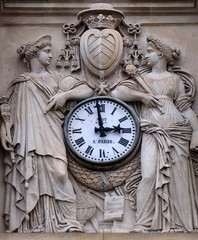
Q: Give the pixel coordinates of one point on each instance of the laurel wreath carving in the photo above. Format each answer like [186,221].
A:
[103,180]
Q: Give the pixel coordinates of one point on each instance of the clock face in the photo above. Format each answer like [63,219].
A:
[102,132]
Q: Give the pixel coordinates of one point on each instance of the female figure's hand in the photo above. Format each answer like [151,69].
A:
[194,141]
[5,140]
[57,101]
[150,100]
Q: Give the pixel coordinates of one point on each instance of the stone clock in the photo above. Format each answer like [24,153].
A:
[102,133]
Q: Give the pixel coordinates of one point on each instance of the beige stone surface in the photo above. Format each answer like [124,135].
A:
[117,236]
[66,236]
[151,236]
[129,6]
[2,192]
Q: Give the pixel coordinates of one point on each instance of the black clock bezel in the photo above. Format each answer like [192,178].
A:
[111,164]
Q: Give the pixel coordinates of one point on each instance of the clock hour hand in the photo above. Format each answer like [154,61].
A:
[105,129]
[109,129]
[114,129]
[100,122]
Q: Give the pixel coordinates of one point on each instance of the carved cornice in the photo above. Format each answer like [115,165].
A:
[129,7]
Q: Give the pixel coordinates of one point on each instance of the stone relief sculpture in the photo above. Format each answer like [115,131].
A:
[102,57]
[39,194]
[167,192]
[94,49]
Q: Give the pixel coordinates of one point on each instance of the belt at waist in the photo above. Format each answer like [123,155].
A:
[164,97]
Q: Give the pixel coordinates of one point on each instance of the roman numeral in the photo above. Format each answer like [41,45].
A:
[123,119]
[80,141]
[115,151]
[89,110]
[113,111]
[89,150]
[77,130]
[80,119]
[102,108]
[101,153]
[126,130]
[123,141]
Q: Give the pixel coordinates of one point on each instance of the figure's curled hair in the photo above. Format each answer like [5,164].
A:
[170,54]
[29,50]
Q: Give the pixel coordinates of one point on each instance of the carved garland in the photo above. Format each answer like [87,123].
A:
[106,180]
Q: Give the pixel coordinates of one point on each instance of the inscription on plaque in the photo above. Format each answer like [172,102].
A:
[114,208]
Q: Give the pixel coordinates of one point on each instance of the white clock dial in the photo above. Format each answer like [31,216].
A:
[101,131]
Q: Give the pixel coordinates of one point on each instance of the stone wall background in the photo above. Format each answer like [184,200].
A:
[178,30]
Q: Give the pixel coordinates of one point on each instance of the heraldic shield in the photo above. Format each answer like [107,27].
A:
[101,51]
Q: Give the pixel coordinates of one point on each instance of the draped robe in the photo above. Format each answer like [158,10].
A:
[167,194]
[166,197]
[39,194]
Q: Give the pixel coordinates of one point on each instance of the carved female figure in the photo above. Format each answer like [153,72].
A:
[39,194]
[166,196]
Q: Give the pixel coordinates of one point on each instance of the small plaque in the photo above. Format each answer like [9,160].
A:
[114,208]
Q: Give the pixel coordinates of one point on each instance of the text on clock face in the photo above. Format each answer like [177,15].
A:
[103,119]
[106,141]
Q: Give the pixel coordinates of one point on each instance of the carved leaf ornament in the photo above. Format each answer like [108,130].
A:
[101,51]
[106,180]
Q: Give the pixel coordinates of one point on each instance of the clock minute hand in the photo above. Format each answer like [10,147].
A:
[100,122]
